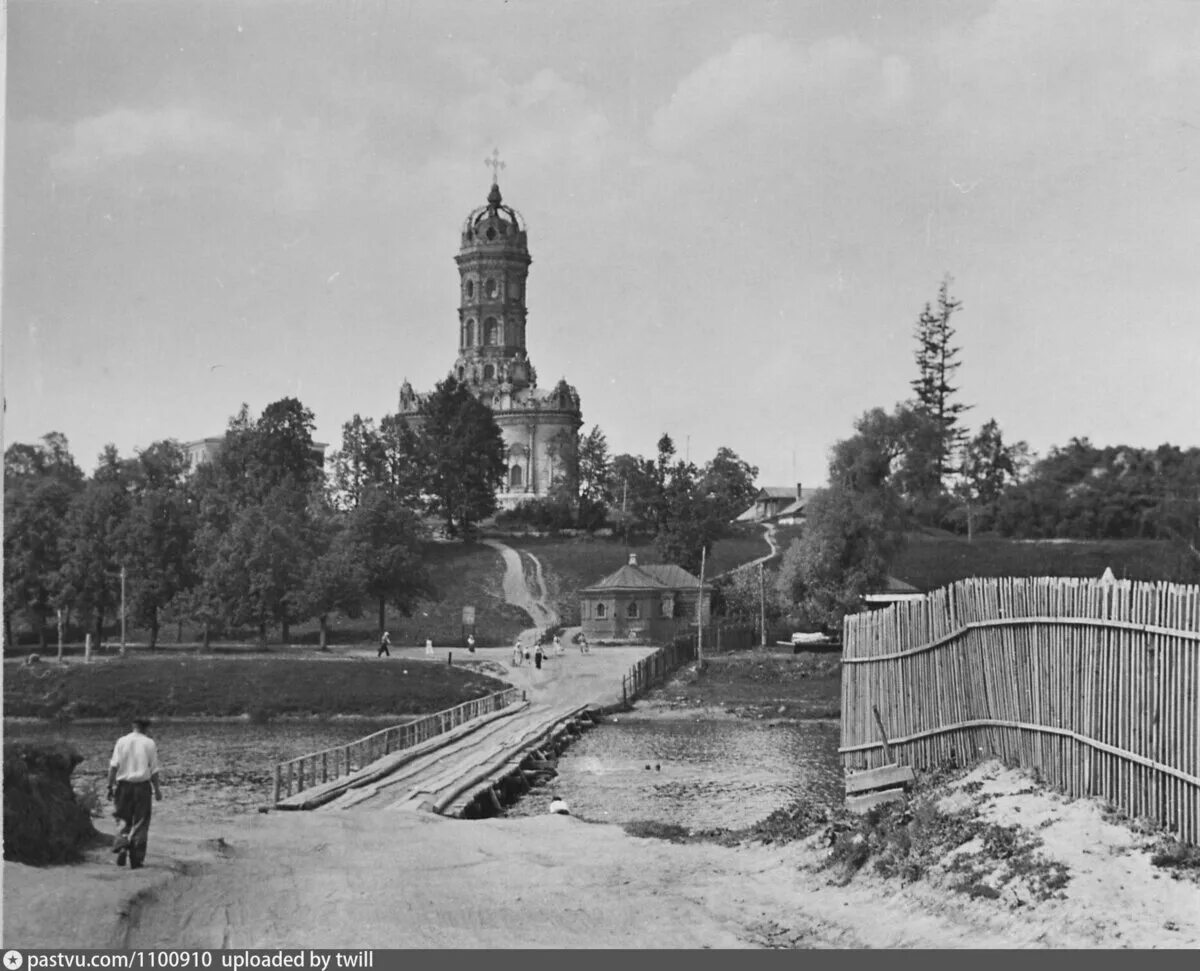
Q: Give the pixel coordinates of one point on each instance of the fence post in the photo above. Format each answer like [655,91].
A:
[275,787]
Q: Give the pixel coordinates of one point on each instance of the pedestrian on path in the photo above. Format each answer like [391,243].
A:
[558,648]
[429,647]
[516,657]
[471,643]
[583,644]
[132,776]
[537,657]
[384,641]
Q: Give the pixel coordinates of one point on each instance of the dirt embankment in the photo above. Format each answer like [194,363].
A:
[762,683]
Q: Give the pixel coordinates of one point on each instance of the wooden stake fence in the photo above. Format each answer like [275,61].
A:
[1096,685]
[296,775]
[655,667]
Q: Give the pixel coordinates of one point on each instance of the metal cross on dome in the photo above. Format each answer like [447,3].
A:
[495,164]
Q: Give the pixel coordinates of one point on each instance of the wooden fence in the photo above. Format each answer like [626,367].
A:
[1095,684]
[306,771]
[655,667]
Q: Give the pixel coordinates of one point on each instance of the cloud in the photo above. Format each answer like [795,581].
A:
[769,84]
[126,134]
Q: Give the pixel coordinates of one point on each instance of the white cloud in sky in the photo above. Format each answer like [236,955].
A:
[124,134]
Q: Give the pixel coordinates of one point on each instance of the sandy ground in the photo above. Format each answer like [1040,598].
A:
[316,880]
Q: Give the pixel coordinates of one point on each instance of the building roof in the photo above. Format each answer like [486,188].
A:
[652,576]
[629,577]
[670,575]
[776,492]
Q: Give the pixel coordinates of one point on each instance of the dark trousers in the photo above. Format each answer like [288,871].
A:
[383,649]
[132,802]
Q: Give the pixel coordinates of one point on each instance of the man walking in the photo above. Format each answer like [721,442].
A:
[384,641]
[132,775]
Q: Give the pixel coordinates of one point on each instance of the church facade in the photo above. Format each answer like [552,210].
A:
[538,425]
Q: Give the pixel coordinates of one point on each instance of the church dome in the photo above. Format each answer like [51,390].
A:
[494,223]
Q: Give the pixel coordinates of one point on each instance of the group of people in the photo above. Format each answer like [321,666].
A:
[522,653]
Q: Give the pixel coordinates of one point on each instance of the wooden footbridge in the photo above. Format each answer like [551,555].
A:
[472,759]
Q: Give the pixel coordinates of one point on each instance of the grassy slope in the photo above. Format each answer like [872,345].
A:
[258,686]
[932,560]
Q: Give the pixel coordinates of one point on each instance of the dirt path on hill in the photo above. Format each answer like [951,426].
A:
[518,592]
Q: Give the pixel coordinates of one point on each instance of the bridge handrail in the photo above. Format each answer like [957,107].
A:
[316,768]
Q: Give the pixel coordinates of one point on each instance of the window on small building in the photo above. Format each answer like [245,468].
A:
[514,477]
[665,607]
[601,610]
[632,610]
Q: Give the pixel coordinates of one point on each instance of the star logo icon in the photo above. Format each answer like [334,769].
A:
[13,960]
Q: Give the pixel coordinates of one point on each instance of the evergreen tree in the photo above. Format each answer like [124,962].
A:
[937,360]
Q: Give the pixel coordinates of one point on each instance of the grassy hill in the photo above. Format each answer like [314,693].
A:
[934,559]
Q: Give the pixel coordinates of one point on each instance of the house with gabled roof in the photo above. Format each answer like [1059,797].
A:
[778,504]
[653,601]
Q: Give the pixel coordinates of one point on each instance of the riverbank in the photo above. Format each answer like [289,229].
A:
[314,880]
[257,686]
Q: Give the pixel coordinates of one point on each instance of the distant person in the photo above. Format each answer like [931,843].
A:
[558,807]
[429,647]
[132,776]
[384,641]
[471,643]
[583,644]
[537,657]
[558,648]
[516,657]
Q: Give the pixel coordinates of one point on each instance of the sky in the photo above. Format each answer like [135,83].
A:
[736,212]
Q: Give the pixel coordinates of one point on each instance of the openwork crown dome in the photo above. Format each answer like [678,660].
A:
[493,222]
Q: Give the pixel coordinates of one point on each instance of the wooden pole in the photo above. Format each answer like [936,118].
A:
[60,635]
[762,604]
[700,612]
[122,609]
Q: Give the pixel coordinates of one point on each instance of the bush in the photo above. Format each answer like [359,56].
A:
[44,821]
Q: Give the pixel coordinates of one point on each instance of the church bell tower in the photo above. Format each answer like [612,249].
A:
[493,263]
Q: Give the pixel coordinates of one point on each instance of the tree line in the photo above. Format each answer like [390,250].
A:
[259,537]
[266,534]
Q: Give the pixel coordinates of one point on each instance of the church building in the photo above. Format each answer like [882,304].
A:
[538,425]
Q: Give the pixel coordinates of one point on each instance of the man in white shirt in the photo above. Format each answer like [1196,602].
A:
[132,775]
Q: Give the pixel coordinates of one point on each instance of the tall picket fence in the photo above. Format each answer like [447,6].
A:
[1095,684]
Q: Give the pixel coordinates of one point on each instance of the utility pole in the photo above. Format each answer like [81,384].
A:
[122,610]
[60,635]
[700,616]
[762,603]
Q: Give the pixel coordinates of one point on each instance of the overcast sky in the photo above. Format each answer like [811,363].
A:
[736,212]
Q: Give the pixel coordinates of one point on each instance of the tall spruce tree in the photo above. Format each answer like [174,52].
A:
[937,360]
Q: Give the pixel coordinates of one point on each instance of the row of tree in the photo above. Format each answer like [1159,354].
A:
[259,537]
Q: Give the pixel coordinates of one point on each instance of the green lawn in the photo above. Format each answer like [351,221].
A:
[932,560]
[164,685]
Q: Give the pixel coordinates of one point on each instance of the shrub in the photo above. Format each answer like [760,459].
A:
[44,821]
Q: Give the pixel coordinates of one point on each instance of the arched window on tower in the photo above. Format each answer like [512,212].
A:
[471,332]
[491,331]
[514,477]
[462,373]
[469,287]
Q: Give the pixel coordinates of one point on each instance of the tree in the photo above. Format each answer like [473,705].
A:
[258,502]
[156,539]
[728,482]
[595,469]
[40,482]
[988,467]
[360,463]
[936,358]
[465,450]
[406,467]
[336,579]
[92,541]
[855,526]
[386,539]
